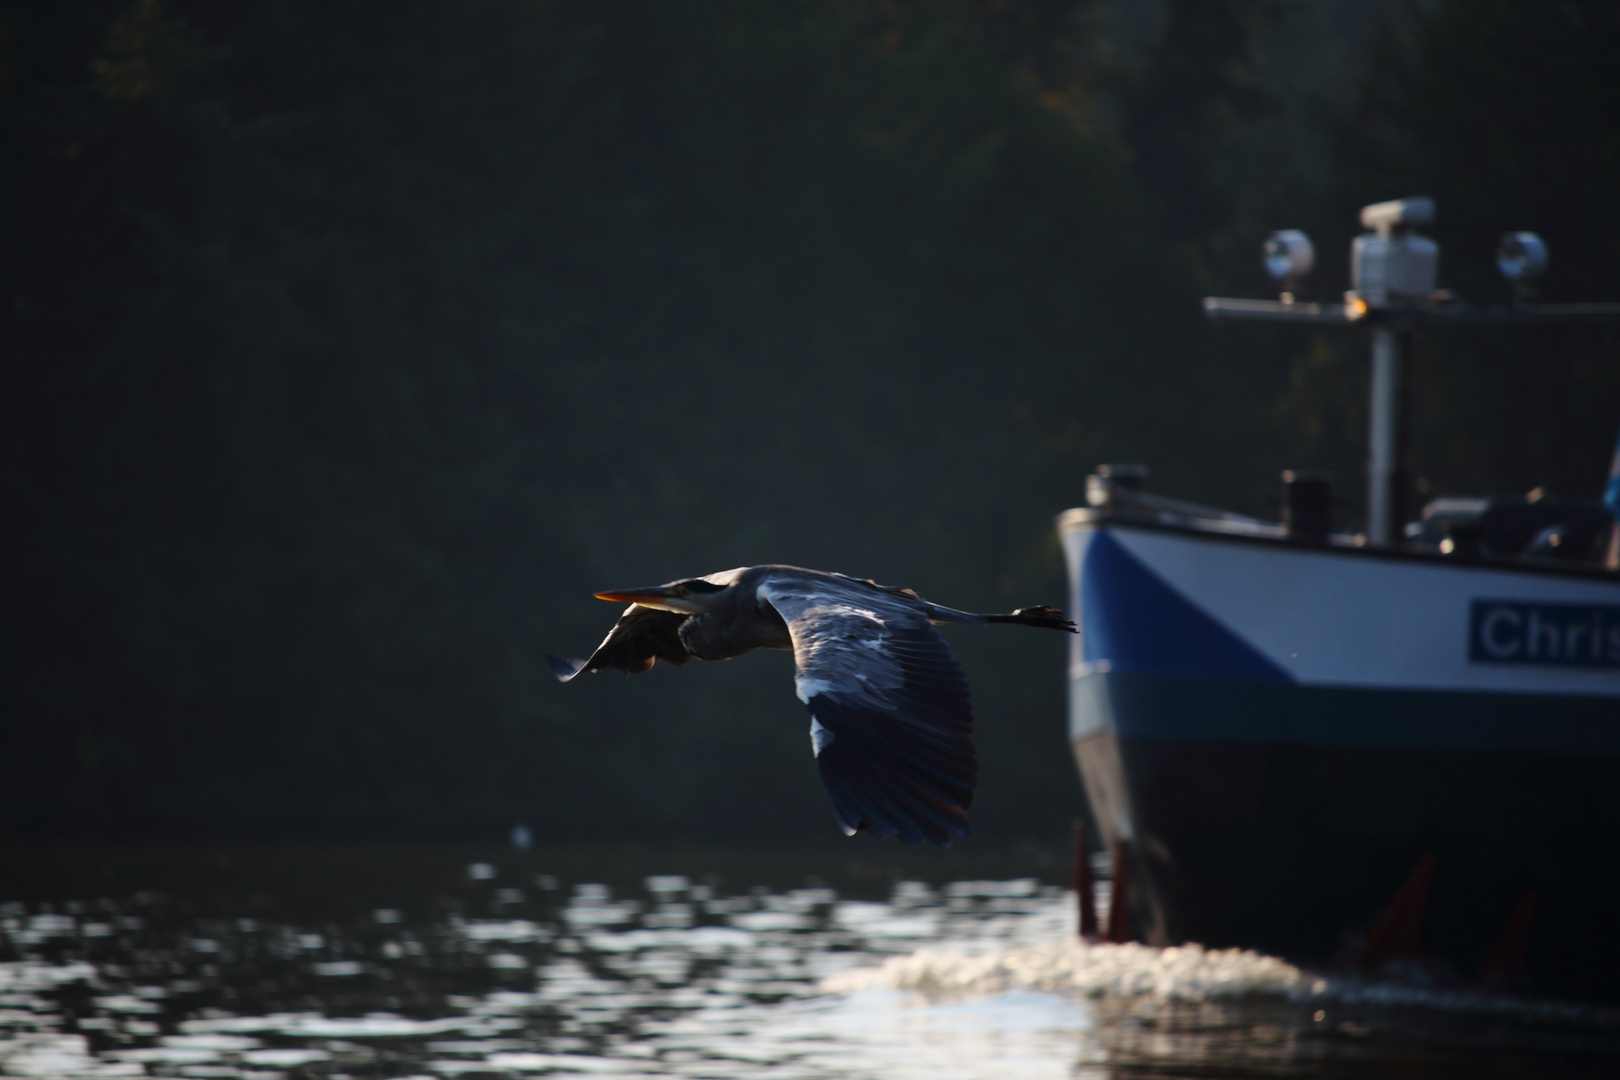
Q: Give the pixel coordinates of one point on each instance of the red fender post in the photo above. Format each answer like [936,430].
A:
[1084,889]
[1119,901]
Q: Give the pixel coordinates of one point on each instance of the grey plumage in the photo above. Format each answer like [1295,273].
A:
[891,727]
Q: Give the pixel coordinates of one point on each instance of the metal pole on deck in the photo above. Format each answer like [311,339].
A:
[1386,459]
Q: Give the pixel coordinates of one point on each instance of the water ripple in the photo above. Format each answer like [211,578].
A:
[969,979]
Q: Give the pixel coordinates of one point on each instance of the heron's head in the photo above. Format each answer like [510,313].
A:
[693,596]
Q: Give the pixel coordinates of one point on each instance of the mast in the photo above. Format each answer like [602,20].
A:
[1393,270]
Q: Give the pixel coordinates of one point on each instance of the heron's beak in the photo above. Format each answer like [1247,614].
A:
[664,598]
[635,596]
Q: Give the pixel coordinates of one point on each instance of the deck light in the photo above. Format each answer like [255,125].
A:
[1289,256]
[1522,258]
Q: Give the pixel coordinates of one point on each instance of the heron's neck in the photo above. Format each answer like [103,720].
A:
[737,626]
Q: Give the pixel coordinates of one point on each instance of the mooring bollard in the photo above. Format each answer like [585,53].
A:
[1084,890]
[1119,896]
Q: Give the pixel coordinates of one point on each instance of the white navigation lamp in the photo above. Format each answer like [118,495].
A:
[1522,259]
[1289,256]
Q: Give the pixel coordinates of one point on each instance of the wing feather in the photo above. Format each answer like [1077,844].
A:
[891,722]
[642,636]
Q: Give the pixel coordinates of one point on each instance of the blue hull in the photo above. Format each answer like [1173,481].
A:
[1277,778]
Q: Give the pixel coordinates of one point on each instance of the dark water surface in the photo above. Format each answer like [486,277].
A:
[864,960]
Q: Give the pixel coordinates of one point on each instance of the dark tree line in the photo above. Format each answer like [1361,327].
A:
[349,347]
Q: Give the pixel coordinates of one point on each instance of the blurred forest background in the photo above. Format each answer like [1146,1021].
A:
[350,346]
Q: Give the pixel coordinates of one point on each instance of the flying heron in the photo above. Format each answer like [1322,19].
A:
[890,725]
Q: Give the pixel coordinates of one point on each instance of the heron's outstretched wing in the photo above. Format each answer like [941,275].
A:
[641,636]
[889,717]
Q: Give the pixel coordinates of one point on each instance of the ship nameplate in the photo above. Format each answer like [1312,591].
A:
[1537,632]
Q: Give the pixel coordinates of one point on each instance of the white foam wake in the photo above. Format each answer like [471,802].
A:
[1184,973]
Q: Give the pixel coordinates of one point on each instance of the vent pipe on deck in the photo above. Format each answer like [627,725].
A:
[1307,505]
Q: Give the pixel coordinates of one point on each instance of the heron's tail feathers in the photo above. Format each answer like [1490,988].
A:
[1049,617]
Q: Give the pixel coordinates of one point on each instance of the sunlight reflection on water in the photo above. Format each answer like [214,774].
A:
[975,979]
